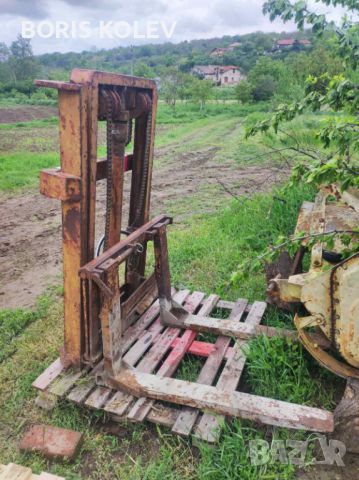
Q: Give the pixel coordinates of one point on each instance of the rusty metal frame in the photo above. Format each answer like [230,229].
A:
[75,185]
[98,308]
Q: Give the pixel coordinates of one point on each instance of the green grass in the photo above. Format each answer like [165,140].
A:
[189,112]
[44,122]
[185,129]
[293,381]
[204,255]
[21,169]
[229,458]
[220,128]
[14,321]
[204,251]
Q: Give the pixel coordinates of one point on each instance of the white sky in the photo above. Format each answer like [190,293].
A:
[195,19]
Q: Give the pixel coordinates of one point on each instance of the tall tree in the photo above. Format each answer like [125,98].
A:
[201,91]
[243,91]
[23,64]
[21,48]
[172,81]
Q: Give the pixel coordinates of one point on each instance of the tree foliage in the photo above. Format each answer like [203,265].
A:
[340,135]
[201,91]
[17,63]
[243,91]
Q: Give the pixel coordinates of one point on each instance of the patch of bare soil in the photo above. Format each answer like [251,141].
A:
[26,113]
[30,238]
[30,140]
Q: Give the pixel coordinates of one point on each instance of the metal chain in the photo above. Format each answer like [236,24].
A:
[146,165]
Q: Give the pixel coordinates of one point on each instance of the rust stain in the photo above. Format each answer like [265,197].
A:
[72,128]
[71,224]
[63,121]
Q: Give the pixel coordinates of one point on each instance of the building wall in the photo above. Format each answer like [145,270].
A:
[230,77]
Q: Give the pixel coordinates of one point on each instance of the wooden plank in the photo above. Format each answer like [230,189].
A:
[123,401]
[160,414]
[234,404]
[159,350]
[226,304]
[119,403]
[229,305]
[145,341]
[172,362]
[201,349]
[150,361]
[209,426]
[131,335]
[85,385]
[98,397]
[16,472]
[150,335]
[188,417]
[130,305]
[256,313]
[143,405]
[241,330]
[133,332]
[163,415]
[81,391]
[17,468]
[49,375]
[62,385]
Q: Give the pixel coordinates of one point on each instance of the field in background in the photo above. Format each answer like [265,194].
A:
[220,190]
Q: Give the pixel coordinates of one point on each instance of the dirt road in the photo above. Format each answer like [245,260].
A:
[30,239]
[183,184]
[26,113]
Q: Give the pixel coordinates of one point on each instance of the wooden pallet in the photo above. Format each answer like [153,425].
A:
[17,472]
[153,348]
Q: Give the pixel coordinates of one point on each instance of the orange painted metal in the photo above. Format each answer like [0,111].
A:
[59,185]
[74,184]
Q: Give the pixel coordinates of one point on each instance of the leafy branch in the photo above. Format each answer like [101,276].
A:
[337,93]
[348,238]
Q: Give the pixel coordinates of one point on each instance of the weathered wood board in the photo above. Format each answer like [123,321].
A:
[157,352]
[17,472]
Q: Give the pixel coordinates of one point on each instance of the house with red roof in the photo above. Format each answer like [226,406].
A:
[220,75]
[288,43]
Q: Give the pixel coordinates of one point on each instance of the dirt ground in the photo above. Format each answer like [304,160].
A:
[30,238]
[26,113]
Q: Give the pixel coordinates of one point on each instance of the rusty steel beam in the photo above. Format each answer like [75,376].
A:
[74,144]
[115,251]
[59,185]
[80,109]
